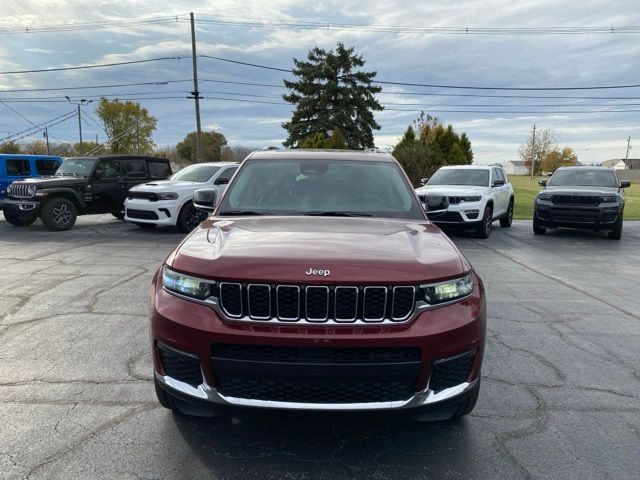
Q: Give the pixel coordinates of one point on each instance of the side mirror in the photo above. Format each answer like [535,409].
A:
[205,200]
[625,184]
[497,183]
[423,181]
[221,181]
[542,183]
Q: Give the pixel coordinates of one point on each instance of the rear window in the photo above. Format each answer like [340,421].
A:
[46,167]
[136,169]
[159,170]
[18,168]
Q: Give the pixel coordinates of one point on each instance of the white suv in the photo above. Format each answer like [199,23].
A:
[169,202]
[469,197]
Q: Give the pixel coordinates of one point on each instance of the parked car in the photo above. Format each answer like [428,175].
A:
[169,202]
[18,167]
[469,197]
[307,290]
[80,186]
[581,197]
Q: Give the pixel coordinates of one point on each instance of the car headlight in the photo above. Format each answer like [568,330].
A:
[167,196]
[470,199]
[199,289]
[609,199]
[31,190]
[447,291]
[9,190]
[547,197]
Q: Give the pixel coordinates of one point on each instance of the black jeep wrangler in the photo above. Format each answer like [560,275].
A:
[80,186]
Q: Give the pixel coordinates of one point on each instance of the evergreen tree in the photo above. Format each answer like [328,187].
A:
[330,92]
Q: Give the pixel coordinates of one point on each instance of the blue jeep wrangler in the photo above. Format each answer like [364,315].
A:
[18,167]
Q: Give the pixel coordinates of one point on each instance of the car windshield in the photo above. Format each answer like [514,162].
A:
[460,176]
[76,167]
[583,178]
[195,173]
[321,187]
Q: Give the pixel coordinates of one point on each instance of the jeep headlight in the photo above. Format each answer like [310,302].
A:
[199,289]
[470,199]
[447,291]
[167,196]
[608,198]
[547,197]
[9,190]
[31,190]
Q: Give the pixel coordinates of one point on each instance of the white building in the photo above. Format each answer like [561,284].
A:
[516,167]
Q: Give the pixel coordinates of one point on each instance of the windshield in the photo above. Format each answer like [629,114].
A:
[195,173]
[583,178]
[460,176]
[321,187]
[77,167]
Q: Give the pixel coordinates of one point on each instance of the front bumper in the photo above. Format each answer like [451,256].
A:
[22,206]
[466,214]
[162,212]
[452,331]
[597,217]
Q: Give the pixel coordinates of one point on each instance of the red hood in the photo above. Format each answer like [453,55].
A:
[354,250]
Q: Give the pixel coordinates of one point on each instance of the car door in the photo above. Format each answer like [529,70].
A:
[107,186]
[504,191]
[496,192]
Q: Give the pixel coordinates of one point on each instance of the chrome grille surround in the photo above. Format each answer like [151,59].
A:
[20,190]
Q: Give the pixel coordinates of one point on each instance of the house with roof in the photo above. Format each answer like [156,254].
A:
[516,167]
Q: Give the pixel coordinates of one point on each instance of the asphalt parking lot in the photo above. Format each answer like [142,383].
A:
[560,391]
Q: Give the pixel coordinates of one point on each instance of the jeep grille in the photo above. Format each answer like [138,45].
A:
[20,190]
[317,303]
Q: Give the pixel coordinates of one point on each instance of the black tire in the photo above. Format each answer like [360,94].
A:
[537,229]
[616,233]
[119,214]
[164,398]
[20,219]
[59,214]
[468,404]
[483,230]
[145,226]
[189,218]
[507,219]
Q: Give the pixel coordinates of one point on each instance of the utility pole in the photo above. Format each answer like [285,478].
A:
[138,133]
[533,149]
[46,137]
[626,157]
[79,103]
[196,94]
[80,126]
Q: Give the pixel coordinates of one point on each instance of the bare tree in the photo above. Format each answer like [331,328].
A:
[545,143]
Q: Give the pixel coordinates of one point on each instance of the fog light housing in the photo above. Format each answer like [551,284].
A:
[472,213]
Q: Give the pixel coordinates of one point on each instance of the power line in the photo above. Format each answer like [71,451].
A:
[39,126]
[238,62]
[100,65]
[86,87]
[97,25]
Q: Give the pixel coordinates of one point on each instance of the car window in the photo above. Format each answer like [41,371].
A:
[18,167]
[460,176]
[196,173]
[46,167]
[498,174]
[159,169]
[504,175]
[136,169]
[583,178]
[228,173]
[108,169]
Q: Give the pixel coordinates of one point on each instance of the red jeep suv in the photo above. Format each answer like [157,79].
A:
[317,283]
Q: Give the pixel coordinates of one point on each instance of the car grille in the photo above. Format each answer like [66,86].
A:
[574,215]
[181,366]
[451,371]
[316,374]
[152,197]
[316,303]
[446,217]
[576,200]
[142,214]
[20,190]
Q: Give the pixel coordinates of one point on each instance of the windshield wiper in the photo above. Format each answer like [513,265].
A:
[231,213]
[337,214]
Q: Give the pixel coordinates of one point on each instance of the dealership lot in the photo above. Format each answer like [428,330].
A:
[561,378]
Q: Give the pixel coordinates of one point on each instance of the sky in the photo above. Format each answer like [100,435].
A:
[269,33]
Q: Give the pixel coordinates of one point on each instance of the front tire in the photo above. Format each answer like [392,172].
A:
[190,217]
[616,233]
[59,214]
[119,214]
[537,229]
[507,220]
[484,229]
[19,219]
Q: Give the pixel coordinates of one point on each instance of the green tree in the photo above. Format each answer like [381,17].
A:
[35,147]
[128,126]
[330,92]
[418,159]
[557,158]
[544,144]
[335,141]
[10,147]
[212,143]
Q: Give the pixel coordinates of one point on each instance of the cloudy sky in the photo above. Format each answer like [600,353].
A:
[270,33]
